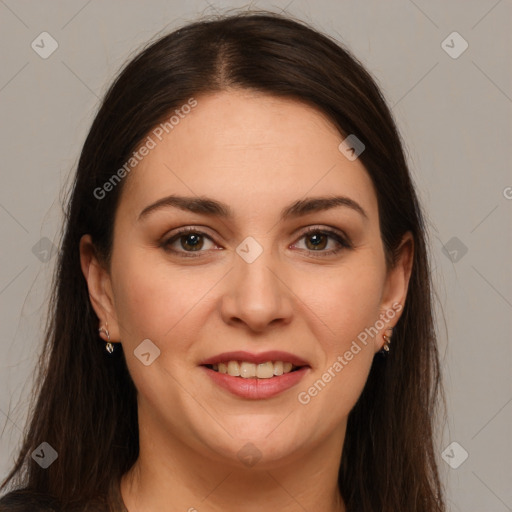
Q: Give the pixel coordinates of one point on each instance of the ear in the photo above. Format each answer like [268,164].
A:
[100,288]
[396,286]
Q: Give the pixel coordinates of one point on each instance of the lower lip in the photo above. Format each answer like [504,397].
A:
[257,389]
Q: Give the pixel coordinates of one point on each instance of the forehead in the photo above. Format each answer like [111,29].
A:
[245,148]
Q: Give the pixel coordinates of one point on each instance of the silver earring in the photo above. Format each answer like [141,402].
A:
[109,347]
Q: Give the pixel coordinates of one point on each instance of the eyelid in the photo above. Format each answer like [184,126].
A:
[328,230]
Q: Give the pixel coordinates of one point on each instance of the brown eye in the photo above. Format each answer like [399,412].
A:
[316,240]
[192,241]
[186,241]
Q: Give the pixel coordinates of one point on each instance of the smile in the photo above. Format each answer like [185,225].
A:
[247,370]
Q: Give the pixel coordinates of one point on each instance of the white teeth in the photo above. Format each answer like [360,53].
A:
[247,370]
[265,370]
[278,368]
[234,368]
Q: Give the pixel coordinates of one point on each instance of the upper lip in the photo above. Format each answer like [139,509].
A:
[262,357]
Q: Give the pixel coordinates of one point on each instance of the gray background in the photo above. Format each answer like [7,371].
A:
[454,115]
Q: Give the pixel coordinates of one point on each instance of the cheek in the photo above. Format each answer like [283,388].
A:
[349,307]
[156,302]
[152,300]
[348,302]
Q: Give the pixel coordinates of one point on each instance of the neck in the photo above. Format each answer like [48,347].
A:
[170,475]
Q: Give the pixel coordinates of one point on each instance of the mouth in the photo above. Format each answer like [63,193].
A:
[248,365]
[248,370]
[256,376]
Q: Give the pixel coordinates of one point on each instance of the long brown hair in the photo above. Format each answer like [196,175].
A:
[85,403]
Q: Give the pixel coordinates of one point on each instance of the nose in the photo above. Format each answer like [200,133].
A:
[257,295]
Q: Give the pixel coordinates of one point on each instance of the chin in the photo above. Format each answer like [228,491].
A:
[259,447]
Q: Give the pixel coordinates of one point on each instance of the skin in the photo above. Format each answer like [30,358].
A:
[257,154]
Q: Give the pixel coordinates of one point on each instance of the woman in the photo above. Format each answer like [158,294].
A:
[242,308]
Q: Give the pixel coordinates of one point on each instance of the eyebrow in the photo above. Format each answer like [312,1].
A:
[211,207]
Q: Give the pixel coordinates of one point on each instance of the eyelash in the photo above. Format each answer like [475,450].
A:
[343,241]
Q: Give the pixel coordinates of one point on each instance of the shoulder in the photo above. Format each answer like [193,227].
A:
[26,500]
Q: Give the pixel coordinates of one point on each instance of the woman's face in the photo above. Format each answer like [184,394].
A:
[252,283]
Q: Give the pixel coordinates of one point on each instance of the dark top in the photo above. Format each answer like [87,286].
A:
[26,500]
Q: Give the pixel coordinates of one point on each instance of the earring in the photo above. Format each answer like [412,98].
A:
[387,342]
[109,347]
